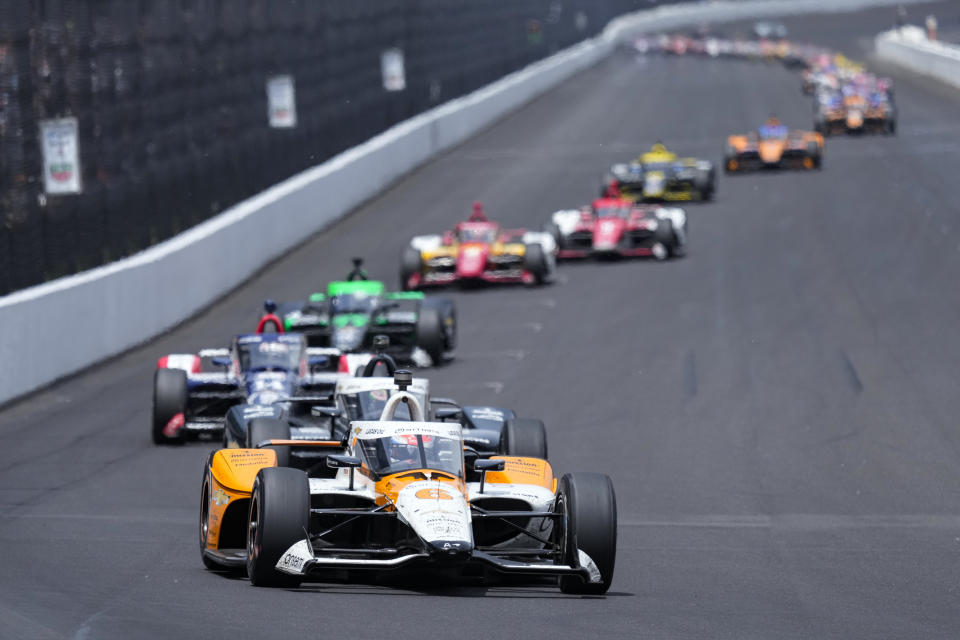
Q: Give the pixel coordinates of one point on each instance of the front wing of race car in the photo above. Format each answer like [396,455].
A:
[308,560]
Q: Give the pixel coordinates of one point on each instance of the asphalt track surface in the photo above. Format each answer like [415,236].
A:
[777,410]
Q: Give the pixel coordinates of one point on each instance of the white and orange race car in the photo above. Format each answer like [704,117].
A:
[406,494]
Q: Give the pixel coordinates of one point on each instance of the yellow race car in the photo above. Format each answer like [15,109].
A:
[661,175]
[407,494]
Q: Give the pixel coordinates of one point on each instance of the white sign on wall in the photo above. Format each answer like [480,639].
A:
[281,102]
[391,65]
[61,156]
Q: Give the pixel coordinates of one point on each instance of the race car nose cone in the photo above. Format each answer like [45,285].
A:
[450,551]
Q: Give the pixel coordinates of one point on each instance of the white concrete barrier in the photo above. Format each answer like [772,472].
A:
[909,48]
[57,328]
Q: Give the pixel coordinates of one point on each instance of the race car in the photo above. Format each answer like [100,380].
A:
[407,495]
[478,251]
[854,112]
[190,399]
[488,430]
[351,313]
[619,227]
[773,146]
[661,175]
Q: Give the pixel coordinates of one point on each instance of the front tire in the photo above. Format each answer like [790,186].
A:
[590,505]
[261,429]
[279,517]
[524,437]
[169,399]
[535,261]
[204,516]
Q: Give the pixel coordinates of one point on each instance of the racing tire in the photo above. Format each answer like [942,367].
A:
[260,429]
[678,249]
[590,507]
[204,514]
[813,152]
[448,317]
[169,399]
[430,334]
[535,261]
[554,230]
[706,184]
[523,437]
[410,263]
[728,159]
[890,127]
[279,517]
[665,235]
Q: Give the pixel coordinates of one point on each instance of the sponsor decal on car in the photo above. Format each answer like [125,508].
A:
[219,497]
[487,413]
[433,494]
[295,557]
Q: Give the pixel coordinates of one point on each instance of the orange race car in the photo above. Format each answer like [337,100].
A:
[773,146]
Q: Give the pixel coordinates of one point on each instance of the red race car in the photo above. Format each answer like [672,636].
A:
[478,250]
[619,227]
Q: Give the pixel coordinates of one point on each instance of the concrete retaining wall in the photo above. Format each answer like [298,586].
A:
[909,48]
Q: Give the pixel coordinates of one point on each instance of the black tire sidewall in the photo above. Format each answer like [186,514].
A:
[282,497]
[430,334]
[591,518]
[411,262]
[169,399]
[535,261]
[524,437]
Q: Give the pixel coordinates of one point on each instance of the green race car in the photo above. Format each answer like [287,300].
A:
[352,312]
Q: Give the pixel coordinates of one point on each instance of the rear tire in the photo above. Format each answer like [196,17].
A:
[430,334]
[411,263]
[535,261]
[261,429]
[590,505]
[279,517]
[523,437]
[448,319]
[169,399]
[554,230]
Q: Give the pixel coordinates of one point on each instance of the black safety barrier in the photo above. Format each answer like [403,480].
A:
[172,109]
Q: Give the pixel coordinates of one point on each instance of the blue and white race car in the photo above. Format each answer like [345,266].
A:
[193,392]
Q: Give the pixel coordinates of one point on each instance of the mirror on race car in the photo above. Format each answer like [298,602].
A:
[448,413]
[221,361]
[342,462]
[485,464]
[327,412]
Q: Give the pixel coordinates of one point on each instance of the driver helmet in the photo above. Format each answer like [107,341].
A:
[478,215]
[403,449]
